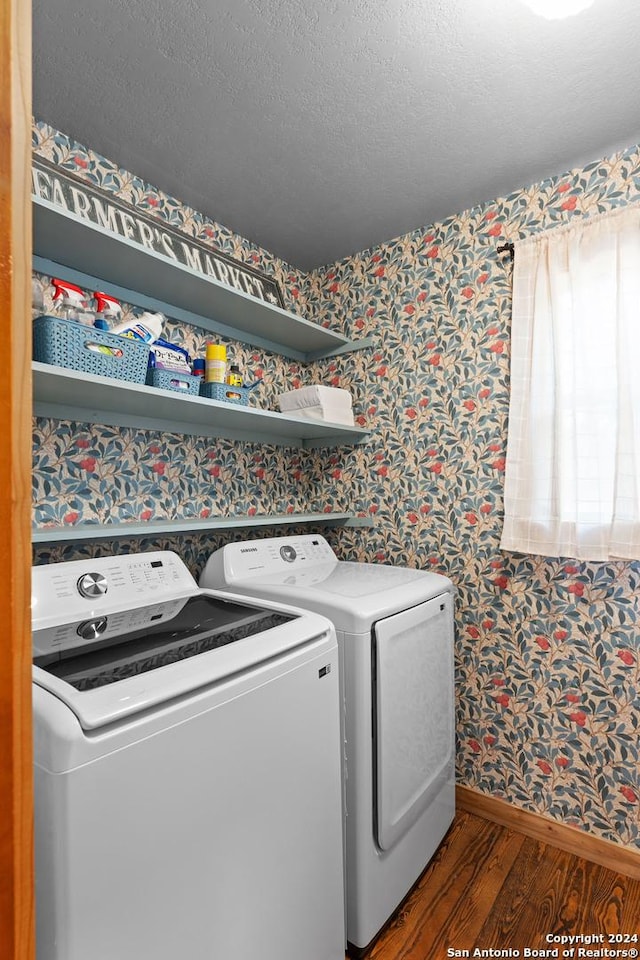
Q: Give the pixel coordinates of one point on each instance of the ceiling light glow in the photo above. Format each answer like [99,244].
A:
[557,9]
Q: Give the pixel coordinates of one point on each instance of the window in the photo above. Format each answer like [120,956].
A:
[572,484]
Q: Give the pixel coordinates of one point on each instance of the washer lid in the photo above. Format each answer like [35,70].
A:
[106,649]
[111,666]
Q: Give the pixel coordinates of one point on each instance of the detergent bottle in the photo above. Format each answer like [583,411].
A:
[146,327]
[107,308]
[234,377]
[72,302]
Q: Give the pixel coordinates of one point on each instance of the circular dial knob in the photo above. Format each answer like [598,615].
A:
[92,585]
[288,553]
[91,629]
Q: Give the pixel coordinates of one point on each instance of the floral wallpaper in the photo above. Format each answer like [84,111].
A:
[547,649]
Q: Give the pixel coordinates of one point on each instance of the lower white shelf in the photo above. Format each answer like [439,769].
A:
[68,395]
[164,528]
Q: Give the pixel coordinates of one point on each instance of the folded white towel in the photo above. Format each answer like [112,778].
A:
[315,396]
[328,414]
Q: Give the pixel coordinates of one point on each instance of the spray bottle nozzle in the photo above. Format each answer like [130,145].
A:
[105,304]
[67,291]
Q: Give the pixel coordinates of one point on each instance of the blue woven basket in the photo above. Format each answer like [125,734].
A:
[225,392]
[170,380]
[66,343]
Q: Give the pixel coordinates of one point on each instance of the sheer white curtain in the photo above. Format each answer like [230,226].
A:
[572,484]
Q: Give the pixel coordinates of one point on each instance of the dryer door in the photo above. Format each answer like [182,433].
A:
[414,713]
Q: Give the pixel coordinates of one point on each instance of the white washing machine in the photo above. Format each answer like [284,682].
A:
[395,636]
[187,769]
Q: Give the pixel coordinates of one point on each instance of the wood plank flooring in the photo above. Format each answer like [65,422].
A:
[489,887]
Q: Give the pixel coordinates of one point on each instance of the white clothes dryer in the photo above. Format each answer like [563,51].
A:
[187,769]
[395,638]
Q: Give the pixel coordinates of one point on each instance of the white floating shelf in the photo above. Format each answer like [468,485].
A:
[96,258]
[68,395]
[165,528]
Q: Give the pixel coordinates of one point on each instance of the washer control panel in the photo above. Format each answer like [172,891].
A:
[87,590]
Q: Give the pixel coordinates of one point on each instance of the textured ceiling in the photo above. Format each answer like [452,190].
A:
[318,128]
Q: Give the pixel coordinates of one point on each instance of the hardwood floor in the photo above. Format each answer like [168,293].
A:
[489,887]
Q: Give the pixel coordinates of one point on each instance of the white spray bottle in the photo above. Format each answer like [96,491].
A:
[107,309]
[74,304]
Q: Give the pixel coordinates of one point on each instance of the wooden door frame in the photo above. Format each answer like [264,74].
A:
[16,764]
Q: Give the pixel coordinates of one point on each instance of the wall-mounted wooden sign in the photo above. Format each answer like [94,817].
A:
[110,213]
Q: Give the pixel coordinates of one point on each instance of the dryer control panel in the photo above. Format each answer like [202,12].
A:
[257,558]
